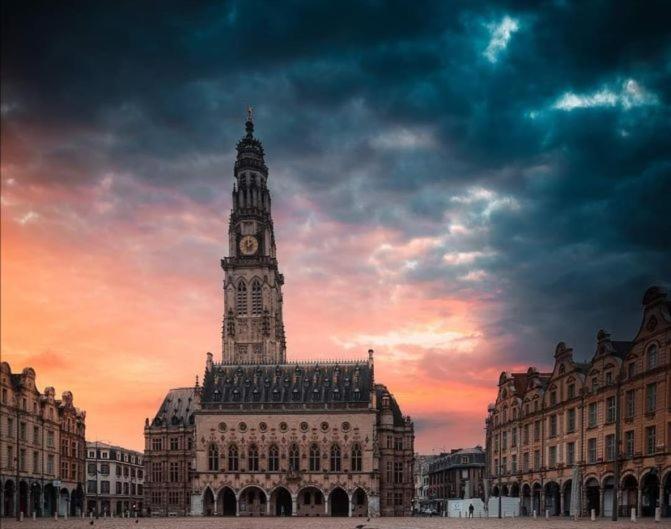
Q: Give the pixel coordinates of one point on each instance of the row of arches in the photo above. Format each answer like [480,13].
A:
[42,500]
[273,458]
[644,495]
[308,501]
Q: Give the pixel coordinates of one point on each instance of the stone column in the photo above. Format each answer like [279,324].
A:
[268,506]
[2,501]
[561,501]
[349,505]
[294,505]
[237,505]
[639,501]
[602,493]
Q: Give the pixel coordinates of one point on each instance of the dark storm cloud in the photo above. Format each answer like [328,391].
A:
[385,114]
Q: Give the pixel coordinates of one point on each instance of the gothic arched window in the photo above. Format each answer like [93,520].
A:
[253,459]
[213,457]
[314,458]
[651,358]
[273,459]
[232,458]
[356,458]
[294,457]
[257,300]
[241,299]
[335,458]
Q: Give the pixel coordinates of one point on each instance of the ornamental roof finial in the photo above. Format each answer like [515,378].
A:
[249,125]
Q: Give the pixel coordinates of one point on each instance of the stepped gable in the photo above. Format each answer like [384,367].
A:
[296,383]
[177,408]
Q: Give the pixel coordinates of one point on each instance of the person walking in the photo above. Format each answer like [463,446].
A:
[470,510]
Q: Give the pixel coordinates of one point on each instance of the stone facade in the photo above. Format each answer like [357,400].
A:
[169,454]
[265,436]
[421,465]
[457,474]
[605,424]
[114,480]
[41,448]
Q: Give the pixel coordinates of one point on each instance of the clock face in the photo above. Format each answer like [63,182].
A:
[248,245]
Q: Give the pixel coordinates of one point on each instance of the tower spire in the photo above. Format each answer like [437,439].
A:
[249,124]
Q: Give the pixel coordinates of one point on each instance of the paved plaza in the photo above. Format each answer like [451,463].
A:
[334,523]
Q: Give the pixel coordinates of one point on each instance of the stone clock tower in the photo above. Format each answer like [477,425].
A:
[253,327]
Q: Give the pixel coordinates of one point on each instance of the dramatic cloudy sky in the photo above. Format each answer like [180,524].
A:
[456,185]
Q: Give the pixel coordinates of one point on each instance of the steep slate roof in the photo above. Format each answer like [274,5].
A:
[621,348]
[177,408]
[380,391]
[296,383]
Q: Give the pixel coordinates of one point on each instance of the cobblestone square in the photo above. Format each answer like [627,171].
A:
[330,523]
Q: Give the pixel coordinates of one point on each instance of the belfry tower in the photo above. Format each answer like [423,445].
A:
[253,327]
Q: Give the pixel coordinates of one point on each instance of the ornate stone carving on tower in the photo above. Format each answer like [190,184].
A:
[253,327]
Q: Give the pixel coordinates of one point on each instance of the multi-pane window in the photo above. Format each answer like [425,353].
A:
[650,439]
[553,398]
[390,472]
[629,443]
[314,458]
[571,391]
[650,398]
[591,414]
[525,461]
[610,409]
[50,439]
[570,420]
[233,458]
[273,459]
[609,378]
[513,437]
[50,464]
[504,441]
[118,487]
[157,444]
[294,457]
[157,472]
[335,458]
[398,472]
[356,458]
[241,299]
[36,464]
[631,403]
[651,357]
[213,457]
[610,447]
[591,450]
[253,459]
[513,464]
[257,299]
[174,443]
[553,426]
[173,471]
[552,456]
[22,431]
[174,497]
[104,487]
[105,469]
[525,437]
[570,453]
[92,486]
[631,370]
[537,431]
[504,464]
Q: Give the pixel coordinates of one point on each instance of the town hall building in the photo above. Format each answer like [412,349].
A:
[263,436]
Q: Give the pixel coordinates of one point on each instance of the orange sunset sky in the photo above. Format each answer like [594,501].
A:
[458,187]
